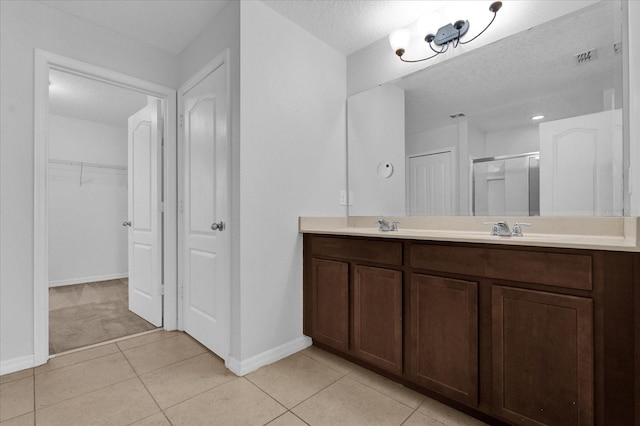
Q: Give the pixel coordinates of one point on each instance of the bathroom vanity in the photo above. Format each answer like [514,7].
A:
[523,330]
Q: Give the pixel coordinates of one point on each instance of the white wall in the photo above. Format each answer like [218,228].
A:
[87,241]
[24,26]
[292,163]
[432,140]
[518,140]
[376,134]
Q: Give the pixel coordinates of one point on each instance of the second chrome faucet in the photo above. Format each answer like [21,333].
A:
[501,228]
[385,226]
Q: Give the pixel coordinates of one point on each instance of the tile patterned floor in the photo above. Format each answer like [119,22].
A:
[167,378]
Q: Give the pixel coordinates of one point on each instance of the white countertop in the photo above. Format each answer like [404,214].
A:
[607,233]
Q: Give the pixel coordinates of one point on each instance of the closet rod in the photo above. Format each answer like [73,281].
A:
[83,164]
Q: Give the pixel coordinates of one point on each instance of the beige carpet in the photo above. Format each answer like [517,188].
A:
[84,314]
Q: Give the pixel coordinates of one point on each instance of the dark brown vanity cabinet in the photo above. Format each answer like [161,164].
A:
[542,355]
[444,336]
[330,287]
[353,306]
[377,317]
[526,335]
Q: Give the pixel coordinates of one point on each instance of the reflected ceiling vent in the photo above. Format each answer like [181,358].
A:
[586,56]
[458,115]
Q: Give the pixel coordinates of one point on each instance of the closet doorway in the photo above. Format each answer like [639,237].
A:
[91,125]
[101,215]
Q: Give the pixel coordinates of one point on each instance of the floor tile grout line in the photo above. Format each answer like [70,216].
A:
[382,393]
[315,393]
[200,393]
[19,378]
[301,419]
[164,366]
[349,374]
[290,412]
[71,365]
[324,363]
[268,394]
[144,385]
[410,415]
[82,394]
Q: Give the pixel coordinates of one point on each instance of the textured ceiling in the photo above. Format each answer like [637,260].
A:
[350,25]
[169,25]
[504,84]
[86,99]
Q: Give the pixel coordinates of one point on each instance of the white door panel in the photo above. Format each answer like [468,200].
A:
[579,165]
[205,198]
[430,185]
[145,276]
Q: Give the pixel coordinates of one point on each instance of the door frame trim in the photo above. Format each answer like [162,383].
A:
[222,58]
[44,62]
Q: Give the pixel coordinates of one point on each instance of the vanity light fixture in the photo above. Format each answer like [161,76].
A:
[450,33]
[537,117]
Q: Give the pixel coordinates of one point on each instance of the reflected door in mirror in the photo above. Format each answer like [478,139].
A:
[431,185]
[580,165]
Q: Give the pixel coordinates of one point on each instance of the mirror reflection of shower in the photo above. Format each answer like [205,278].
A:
[507,185]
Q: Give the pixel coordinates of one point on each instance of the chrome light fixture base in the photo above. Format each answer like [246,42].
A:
[447,34]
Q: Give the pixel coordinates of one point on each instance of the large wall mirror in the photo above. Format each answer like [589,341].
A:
[464,136]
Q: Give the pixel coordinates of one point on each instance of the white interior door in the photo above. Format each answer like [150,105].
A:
[430,185]
[145,251]
[205,205]
[580,174]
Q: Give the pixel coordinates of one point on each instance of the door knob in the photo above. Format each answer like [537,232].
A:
[218,226]
[126,223]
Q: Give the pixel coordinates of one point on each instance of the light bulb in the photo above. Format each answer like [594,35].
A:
[399,40]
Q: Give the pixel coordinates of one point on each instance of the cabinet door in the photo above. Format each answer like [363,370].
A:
[377,317]
[542,357]
[444,336]
[330,287]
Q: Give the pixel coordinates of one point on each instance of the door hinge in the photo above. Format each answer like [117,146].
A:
[161,207]
[161,289]
[181,120]
[181,292]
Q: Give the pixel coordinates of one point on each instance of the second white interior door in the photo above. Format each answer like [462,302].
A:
[145,225]
[205,204]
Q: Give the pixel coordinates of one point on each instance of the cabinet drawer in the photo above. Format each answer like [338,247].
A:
[555,269]
[387,252]
[457,260]
[535,267]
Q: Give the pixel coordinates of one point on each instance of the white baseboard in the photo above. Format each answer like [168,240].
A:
[83,280]
[242,368]
[16,364]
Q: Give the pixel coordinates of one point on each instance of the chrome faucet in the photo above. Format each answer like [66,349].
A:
[385,226]
[499,228]
[517,229]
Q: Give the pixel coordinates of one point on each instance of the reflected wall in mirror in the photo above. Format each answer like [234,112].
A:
[434,123]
